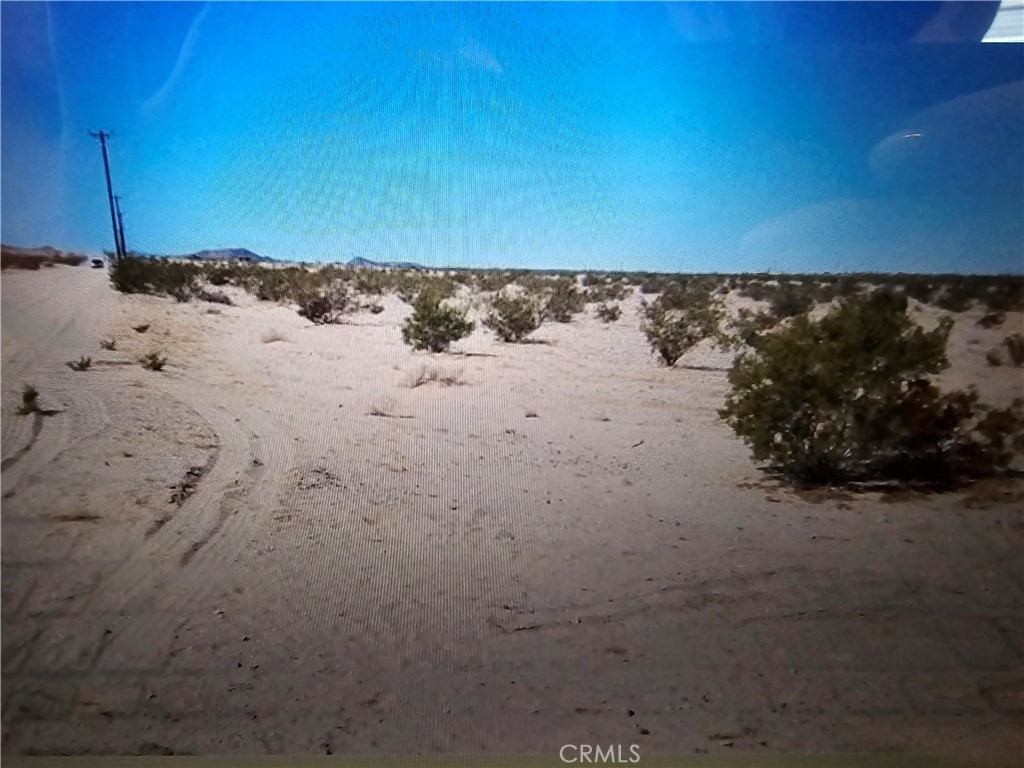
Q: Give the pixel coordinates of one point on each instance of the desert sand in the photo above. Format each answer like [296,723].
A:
[277,544]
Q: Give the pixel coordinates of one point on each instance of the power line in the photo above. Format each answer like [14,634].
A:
[103,136]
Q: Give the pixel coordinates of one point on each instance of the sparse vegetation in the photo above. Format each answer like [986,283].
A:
[849,398]
[749,327]
[434,325]
[141,328]
[563,300]
[678,320]
[29,401]
[326,308]
[992,319]
[1014,344]
[214,297]
[434,375]
[609,313]
[108,344]
[83,363]
[273,335]
[513,317]
[154,361]
[790,301]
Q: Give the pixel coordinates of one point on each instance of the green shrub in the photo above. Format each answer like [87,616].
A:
[849,398]
[563,300]
[609,313]
[134,274]
[513,318]
[434,325]
[749,327]
[326,308]
[790,301]
[673,328]
[1014,344]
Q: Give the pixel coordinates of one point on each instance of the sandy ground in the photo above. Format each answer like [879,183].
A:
[568,547]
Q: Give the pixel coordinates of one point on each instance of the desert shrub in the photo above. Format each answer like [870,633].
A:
[83,363]
[134,274]
[326,308]
[563,300]
[956,297]
[214,297]
[757,290]
[609,313]
[373,281]
[606,292]
[154,361]
[433,375]
[375,308]
[1014,344]
[992,319]
[673,328]
[591,279]
[749,327]
[849,398]
[993,358]
[108,344]
[653,284]
[1005,296]
[434,325]
[409,285]
[790,301]
[920,288]
[512,317]
[29,401]
[491,281]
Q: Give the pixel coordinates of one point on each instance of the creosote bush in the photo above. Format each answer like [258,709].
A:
[1014,344]
[992,319]
[154,361]
[513,317]
[434,325]
[326,308]
[609,313]
[678,320]
[790,300]
[29,401]
[849,398]
[563,300]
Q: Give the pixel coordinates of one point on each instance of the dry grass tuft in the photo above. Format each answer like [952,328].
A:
[436,375]
[273,335]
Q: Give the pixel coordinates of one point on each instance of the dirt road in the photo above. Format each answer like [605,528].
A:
[279,545]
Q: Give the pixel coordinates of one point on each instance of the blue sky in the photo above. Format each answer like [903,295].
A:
[666,137]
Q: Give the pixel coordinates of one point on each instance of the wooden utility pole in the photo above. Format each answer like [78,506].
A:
[103,136]
[120,224]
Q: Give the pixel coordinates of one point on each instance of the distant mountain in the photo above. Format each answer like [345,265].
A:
[359,261]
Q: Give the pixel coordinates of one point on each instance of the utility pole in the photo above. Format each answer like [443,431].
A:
[103,136]
[120,224]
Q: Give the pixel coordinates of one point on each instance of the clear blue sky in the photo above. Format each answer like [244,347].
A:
[666,137]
